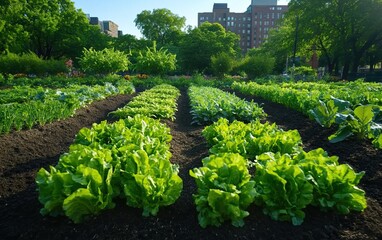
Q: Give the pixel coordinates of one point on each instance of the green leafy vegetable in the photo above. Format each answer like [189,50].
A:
[224,190]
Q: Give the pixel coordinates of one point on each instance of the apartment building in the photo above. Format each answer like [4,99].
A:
[108,27]
[252,26]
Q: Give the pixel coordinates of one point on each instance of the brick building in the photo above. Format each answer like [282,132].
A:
[252,26]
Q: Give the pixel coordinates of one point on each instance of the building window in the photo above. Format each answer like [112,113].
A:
[248,25]
[232,24]
[248,19]
[243,18]
[206,18]
[272,8]
[279,8]
[243,31]
[201,18]
[220,18]
[248,31]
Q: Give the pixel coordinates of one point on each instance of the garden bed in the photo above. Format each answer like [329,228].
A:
[23,153]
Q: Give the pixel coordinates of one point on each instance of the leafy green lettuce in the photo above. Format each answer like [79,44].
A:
[225,189]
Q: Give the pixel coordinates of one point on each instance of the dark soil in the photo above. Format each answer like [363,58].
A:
[23,153]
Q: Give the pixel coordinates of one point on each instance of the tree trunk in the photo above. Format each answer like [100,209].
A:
[345,70]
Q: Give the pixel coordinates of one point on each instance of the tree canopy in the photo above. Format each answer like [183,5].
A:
[200,44]
[343,30]
[160,25]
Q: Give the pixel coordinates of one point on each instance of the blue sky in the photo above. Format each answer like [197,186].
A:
[123,12]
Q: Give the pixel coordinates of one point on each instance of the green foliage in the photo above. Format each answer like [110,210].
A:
[158,102]
[106,61]
[302,71]
[200,44]
[156,62]
[287,179]
[160,25]
[129,158]
[224,190]
[30,63]
[359,123]
[286,185]
[250,140]
[257,66]
[331,26]
[209,104]
[326,111]
[25,107]
[221,64]
[282,188]
[334,185]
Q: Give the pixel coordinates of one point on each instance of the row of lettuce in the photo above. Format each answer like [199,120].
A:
[285,180]
[24,107]
[251,163]
[354,107]
[127,159]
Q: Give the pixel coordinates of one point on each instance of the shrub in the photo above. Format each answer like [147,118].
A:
[302,72]
[29,63]
[221,64]
[106,61]
[257,66]
[155,62]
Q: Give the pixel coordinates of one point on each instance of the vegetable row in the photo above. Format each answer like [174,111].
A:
[209,104]
[330,104]
[27,107]
[285,181]
[127,159]
[157,102]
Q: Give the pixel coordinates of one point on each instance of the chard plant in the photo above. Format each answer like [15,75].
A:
[360,123]
[326,111]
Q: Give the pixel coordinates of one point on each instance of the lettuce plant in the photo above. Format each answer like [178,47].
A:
[225,190]
[282,187]
[250,139]
[129,158]
[334,185]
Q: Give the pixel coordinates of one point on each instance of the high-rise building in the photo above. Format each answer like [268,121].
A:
[252,26]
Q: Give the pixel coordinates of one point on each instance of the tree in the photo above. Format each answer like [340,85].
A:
[200,44]
[342,29]
[160,25]
[279,45]
[12,34]
[49,28]
[54,26]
